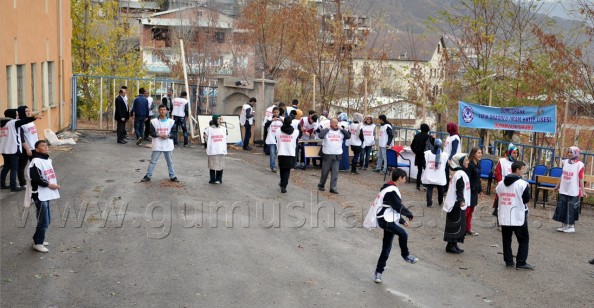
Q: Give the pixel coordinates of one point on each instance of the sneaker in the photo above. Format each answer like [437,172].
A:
[563,227]
[174,179]
[272,170]
[592,261]
[569,229]
[376,170]
[472,233]
[321,188]
[283,190]
[40,248]
[378,277]
[510,264]
[411,259]
[333,191]
[382,172]
[145,179]
[186,145]
[525,267]
[139,141]
[217,182]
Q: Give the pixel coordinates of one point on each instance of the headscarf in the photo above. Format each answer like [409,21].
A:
[357,117]
[510,149]
[437,145]
[21,112]
[575,155]
[287,128]
[457,161]
[10,113]
[368,117]
[425,128]
[215,118]
[343,117]
[452,129]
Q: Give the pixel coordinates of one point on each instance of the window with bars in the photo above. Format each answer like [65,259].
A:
[21,80]
[51,83]
[34,82]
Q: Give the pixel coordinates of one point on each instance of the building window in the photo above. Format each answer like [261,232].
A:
[44,85]
[34,81]
[11,87]
[21,80]
[219,37]
[51,83]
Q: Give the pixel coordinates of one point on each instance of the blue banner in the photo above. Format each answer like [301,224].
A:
[522,118]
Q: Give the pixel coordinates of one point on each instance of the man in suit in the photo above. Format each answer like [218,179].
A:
[121,116]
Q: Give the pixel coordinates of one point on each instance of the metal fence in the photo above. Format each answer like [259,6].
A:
[530,154]
[404,136]
[93,97]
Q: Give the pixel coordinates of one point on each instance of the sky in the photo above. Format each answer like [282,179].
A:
[560,8]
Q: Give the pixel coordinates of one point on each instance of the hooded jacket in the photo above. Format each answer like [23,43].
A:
[418,145]
[512,178]
[393,200]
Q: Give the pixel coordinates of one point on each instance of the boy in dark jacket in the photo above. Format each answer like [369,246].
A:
[388,219]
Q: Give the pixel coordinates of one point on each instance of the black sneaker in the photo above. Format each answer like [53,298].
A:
[334,191]
[145,179]
[139,141]
[174,179]
[283,190]
[321,188]
[510,264]
[592,261]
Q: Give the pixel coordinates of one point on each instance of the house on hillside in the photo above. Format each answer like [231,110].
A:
[213,44]
[403,69]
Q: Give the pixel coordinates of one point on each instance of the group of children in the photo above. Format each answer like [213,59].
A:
[463,177]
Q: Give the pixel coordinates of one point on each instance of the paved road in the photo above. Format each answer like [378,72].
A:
[162,244]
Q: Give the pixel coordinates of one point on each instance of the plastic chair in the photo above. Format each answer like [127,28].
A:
[392,161]
[536,171]
[554,172]
[487,172]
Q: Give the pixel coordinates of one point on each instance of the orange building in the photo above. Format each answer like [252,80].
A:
[35,60]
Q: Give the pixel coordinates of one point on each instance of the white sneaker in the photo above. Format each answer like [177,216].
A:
[569,229]
[377,278]
[563,227]
[40,248]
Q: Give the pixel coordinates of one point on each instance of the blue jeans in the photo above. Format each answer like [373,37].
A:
[272,150]
[155,157]
[139,126]
[11,163]
[365,156]
[391,229]
[43,221]
[179,121]
[382,161]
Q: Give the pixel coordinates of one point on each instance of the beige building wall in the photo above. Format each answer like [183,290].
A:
[35,60]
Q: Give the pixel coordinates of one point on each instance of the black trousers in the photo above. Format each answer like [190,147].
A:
[23,159]
[391,229]
[523,239]
[121,130]
[285,173]
[11,164]
[356,157]
[419,175]
[248,134]
[430,194]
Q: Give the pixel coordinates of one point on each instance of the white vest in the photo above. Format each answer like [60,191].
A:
[285,143]
[354,129]
[447,147]
[295,123]
[432,175]
[150,101]
[268,114]
[306,126]
[390,215]
[9,139]
[179,107]
[243,115]
[570,181]
[272,129]
[30,134]
[383,137]
[332,143]
[511,210]
[47,172]
[217,140]
[368,134]
[160,144]
[450,199]
[505,165]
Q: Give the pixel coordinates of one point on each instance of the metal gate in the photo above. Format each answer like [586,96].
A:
[93,97]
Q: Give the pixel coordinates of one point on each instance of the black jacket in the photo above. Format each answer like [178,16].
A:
[121,111]
[474,176]
[418,147]
[395,203]
[36,178]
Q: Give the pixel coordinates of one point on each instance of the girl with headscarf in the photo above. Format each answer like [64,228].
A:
[356,140]
[418,147]
[216,149]
[28,135]
[474,175]
[343,122]
[456,202]
[451,146]
[368,130]
[571,188]
[286,141]
[11,148]
[434,174]
[503,168]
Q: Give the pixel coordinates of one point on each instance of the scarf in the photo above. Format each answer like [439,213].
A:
[457,161]
[215,118]
[510,150]
[575,155]
[287,128]
[437,148]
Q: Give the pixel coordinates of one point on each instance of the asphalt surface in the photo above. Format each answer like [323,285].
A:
[243,243]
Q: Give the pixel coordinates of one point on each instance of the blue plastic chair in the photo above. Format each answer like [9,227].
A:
[487,172]
[392,161]
[537,170]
